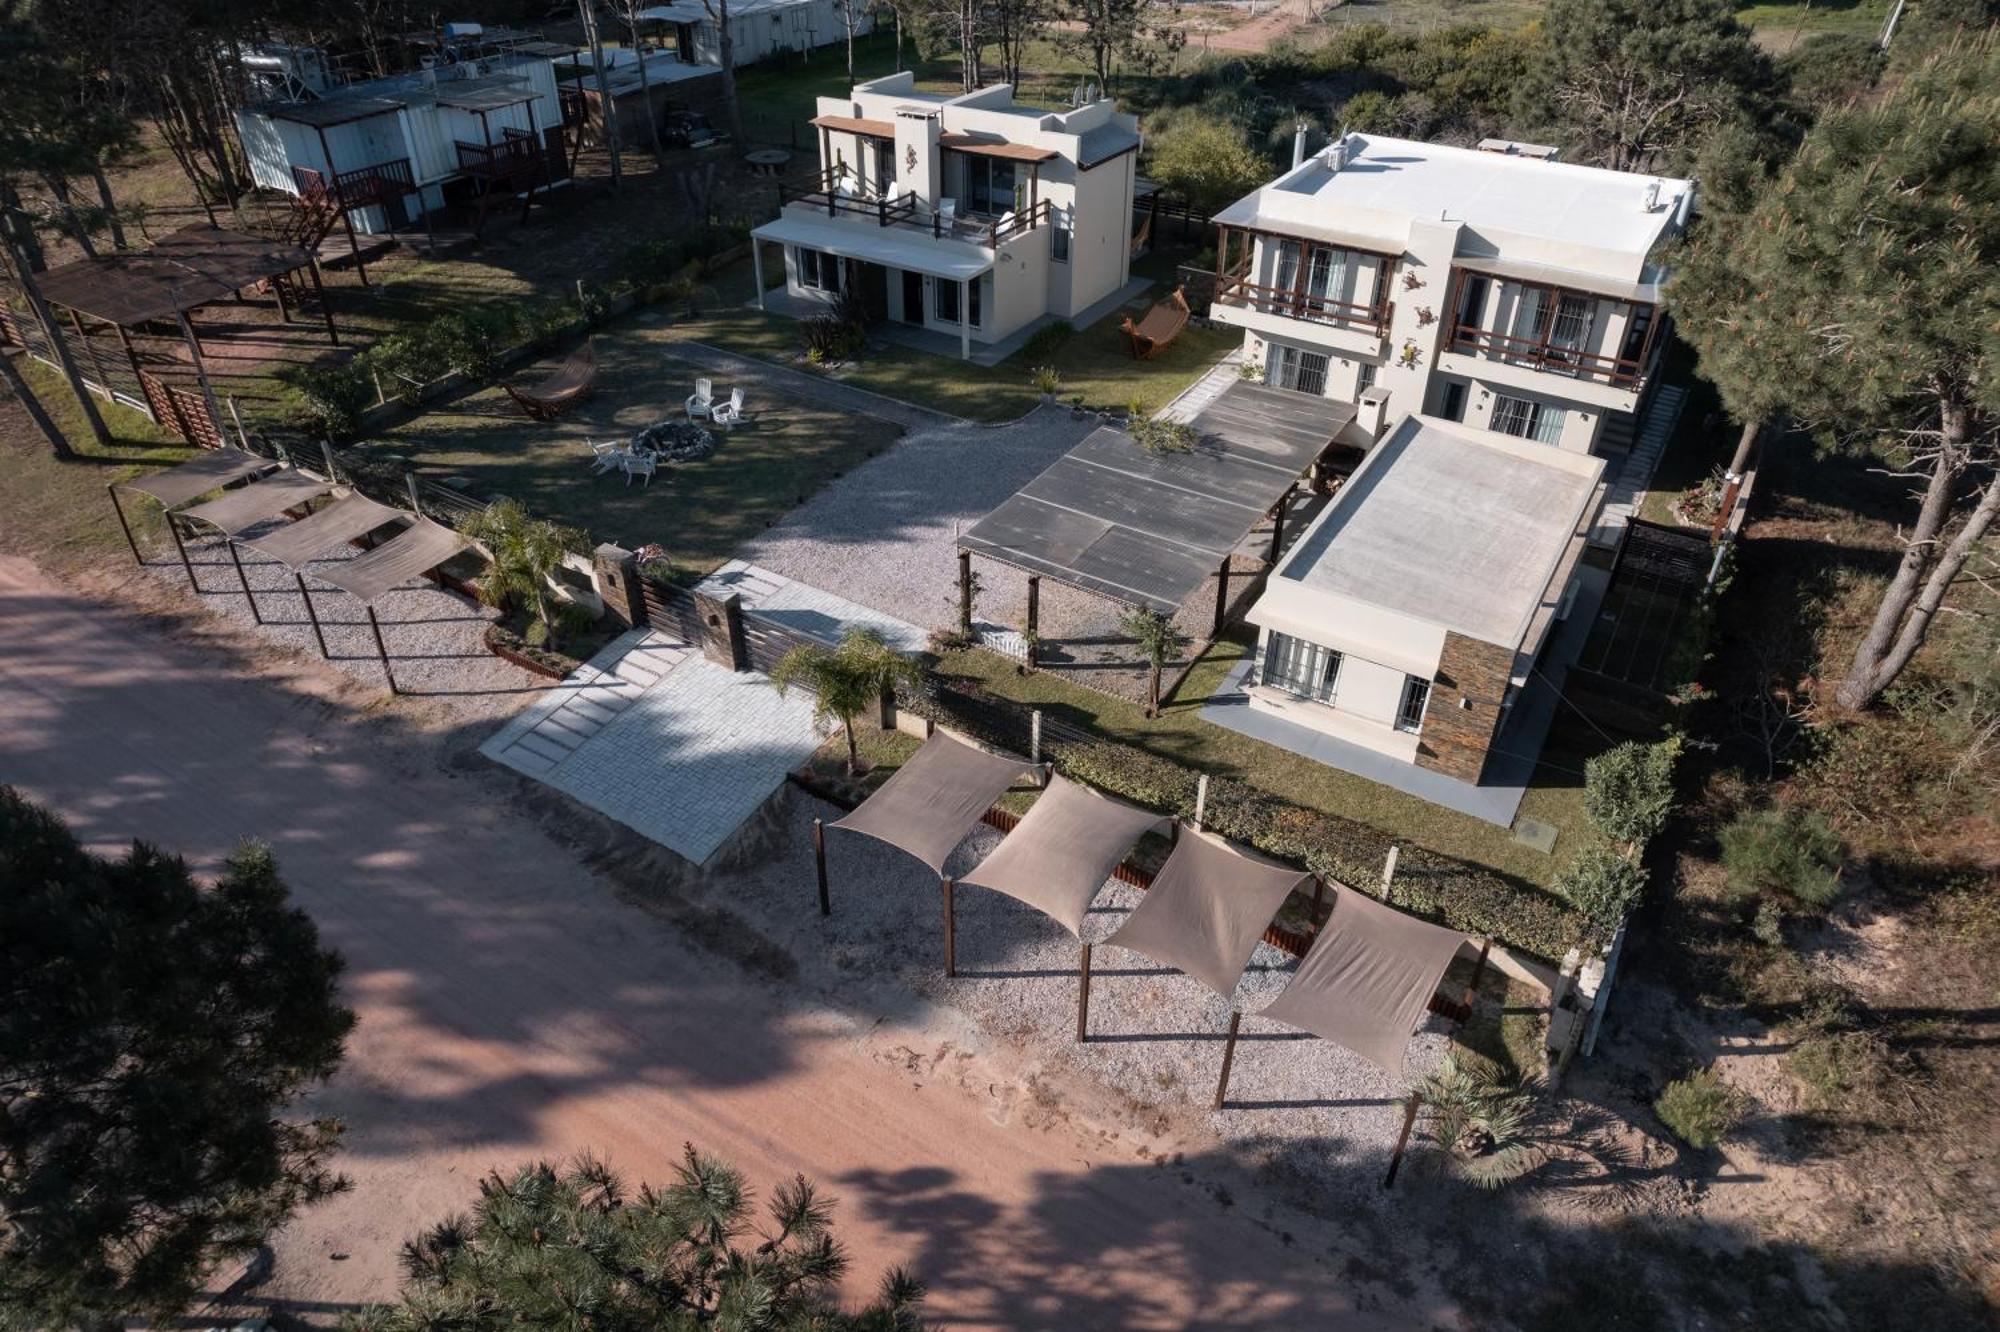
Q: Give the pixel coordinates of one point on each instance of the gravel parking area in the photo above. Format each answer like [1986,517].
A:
[1319,1115]
[435,637]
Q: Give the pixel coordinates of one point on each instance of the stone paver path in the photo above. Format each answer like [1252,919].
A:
[667,743]
[808,610]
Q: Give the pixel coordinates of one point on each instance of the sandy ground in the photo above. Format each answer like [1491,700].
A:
[512,1006]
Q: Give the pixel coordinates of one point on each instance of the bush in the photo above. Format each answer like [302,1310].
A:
[653,261]
[1628,791]
[1603,884]
[1836,1066]
[470,343]
[1701,1109]
[332,398]
[1783,850]
[1046,378]
[1207,164]
[1162,436]
[839,333]
[1048,340]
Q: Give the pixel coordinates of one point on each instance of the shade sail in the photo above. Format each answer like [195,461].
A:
[1058,856]
[1368,978]
[1208,906]
[299,544]
[934,800]
[238,510]
[198,476]
[1149,529]
[411,553]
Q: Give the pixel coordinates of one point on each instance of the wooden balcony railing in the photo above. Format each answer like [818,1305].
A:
[1297,303]
[1544,353]
[823,194]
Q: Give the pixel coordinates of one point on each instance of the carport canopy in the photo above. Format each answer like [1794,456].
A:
[936,798]
[1063,850]
[411,553]
[1368,979]
[1207,909]
[916,252]
[1148,529]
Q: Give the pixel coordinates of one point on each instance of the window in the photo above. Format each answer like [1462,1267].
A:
[947,300]
[1573,319]
[1326,274]
[1287,267]
[1472,302]
[1059,235]
[1299,371]
[989,184]
[1416,695]
[1528,314]
[1364,378]
[821,272]
[1298,667]
[1528,420]
[885,168]
[1453,406]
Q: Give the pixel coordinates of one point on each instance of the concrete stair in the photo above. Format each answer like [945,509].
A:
[1634,472]
[587,702]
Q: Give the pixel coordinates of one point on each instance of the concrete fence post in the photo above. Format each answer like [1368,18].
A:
[1200,798]
[615,571]
[1389,871]
[1035,737]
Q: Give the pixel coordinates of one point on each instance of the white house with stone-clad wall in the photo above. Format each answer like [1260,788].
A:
[968,215]
[1492,287]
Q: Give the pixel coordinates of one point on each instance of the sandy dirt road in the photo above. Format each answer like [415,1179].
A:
[511,1006]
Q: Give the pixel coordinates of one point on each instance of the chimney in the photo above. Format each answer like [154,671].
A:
[1299,144]
[1371,411]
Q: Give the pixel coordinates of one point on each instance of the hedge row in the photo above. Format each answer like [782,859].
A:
[1437,887]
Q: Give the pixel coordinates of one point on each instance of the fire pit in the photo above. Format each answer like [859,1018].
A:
[675,441]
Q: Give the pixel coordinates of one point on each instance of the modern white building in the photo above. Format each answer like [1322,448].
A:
[967,215]
[389,146]
[1493,286]
[1409,616]
[758,29]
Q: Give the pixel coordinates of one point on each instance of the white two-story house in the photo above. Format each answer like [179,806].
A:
[1492,287]
[968,215]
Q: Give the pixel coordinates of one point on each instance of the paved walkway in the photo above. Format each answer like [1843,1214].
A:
[1197,396]
[808,610]
[667,743]
[754,374]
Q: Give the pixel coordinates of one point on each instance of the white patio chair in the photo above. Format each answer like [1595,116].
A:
[639,464]
[728,413]
[702,399]
[603,457]
[947,215]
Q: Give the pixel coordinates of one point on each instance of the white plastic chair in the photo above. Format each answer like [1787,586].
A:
[639,464]
[728,413]
[947,215]
[604,456]
[702,400]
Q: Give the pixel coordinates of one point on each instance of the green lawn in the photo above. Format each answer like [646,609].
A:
[700,511]
[1180,734]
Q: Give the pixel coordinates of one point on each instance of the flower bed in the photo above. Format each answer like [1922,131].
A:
[507,645]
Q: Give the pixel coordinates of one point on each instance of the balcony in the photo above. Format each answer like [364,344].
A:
[363,187]
[1545,354]
[1237,291]
[832,194]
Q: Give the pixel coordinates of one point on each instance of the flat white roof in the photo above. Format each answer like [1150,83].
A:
[888,246]
[1442,525]
[1386,183]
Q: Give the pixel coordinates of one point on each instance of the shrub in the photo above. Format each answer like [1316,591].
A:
[331,398]
[408,360]
[1836,1066]
[1603,884]
[837,334]
[1628,791]
[1701,1109]
[1046,378]
[1162,436]
[1048,340]
[1783,850]
[652,261]
[469,342]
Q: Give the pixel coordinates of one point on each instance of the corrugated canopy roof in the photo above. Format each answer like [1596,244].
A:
[1148,529]
[326,112]
[488,94]
[191,267]
[1098,146]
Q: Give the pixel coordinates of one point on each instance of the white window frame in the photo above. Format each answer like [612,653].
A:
[818,270]
[1537,421]
[1059,236]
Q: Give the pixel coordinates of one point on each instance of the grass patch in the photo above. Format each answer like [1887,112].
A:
[1180,734]
[54,510]
[701,511]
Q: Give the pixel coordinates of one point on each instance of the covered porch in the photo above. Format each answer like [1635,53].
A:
[907,279]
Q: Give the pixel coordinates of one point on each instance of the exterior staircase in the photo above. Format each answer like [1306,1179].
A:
[1633,475]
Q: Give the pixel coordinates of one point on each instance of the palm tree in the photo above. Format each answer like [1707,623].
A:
[1478,1119]
[845,680]
[1160,641]
[525,553]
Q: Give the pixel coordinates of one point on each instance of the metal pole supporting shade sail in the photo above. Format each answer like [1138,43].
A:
[1063,850]
[1207,909]
[936,798]
[1368,978]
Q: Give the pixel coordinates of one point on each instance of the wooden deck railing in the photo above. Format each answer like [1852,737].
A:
[1544,353]
[823,193]
[1297,303]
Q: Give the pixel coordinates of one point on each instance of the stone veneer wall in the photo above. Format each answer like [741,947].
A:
[1455,738]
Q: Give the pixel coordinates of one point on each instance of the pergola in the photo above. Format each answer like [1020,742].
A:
[193,267]
[1147,529]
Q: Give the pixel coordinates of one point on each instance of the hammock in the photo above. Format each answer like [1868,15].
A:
[554,395]
[1162,324]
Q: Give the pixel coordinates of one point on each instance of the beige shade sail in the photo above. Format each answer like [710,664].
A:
[193,479]
[411,553]
[299,544]
[934,800]
[1208,906]
[239,510]
[1368,978]
[1061,853]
